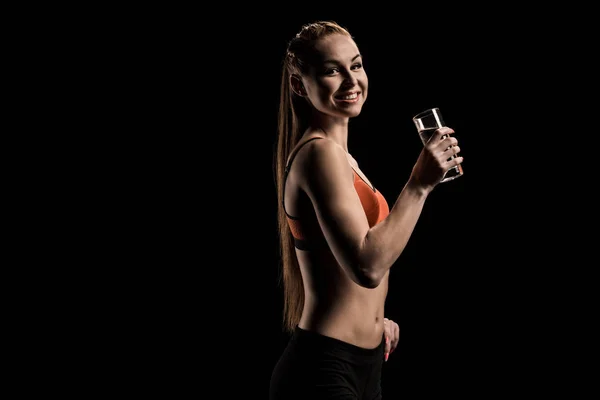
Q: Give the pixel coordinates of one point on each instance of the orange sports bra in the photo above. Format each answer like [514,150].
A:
[307,233]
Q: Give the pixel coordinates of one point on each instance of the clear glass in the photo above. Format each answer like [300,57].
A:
[427,122]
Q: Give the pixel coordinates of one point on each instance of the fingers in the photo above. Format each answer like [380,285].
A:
[454,162]
[388,349]
[450,152]
[395,336]
[441,132]
[392,336]
[443,139]
[445,148]
[387,334]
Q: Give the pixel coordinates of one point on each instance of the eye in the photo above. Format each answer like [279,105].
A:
[331,71]
[357,66]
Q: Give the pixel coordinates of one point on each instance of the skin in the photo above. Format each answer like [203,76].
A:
[346,284]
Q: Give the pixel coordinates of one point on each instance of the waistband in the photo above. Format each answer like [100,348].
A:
[326,342]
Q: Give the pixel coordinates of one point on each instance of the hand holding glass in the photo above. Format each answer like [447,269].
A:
[427,122]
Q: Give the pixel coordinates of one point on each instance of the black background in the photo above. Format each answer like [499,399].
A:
[478,301]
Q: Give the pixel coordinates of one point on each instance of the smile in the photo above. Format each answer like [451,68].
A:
[348,97]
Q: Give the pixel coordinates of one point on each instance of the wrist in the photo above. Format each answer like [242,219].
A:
[417,188]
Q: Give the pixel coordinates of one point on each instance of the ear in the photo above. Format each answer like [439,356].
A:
[297,85]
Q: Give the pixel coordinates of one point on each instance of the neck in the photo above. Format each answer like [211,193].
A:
[338,134]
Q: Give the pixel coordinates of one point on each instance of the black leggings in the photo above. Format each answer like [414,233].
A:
[317,367]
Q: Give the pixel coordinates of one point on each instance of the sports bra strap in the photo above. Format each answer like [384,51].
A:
[289,164]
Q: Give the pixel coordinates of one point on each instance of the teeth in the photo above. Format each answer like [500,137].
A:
[350,96]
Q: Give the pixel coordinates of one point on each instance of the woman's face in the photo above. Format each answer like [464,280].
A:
[337,83]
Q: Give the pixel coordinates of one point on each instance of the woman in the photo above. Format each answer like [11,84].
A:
[339,237]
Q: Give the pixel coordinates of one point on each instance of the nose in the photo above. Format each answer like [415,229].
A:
[350,79]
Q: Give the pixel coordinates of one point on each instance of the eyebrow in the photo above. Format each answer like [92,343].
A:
[337,62]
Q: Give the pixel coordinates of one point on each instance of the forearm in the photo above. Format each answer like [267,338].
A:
[386,241]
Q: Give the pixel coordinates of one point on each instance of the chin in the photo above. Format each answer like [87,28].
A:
[354,111]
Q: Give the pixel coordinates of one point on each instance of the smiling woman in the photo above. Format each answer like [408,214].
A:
[338,235]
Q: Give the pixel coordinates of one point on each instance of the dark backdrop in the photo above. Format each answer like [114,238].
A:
[473,298]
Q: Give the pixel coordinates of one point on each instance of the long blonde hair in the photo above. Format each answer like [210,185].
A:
[293,119]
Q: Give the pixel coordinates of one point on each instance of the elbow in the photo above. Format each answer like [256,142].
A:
[367,265]
[369,278]
[372,263]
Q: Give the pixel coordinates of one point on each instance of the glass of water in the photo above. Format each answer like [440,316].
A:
[427,122]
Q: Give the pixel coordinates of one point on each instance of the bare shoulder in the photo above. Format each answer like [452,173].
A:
[323,160]
[323,151]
